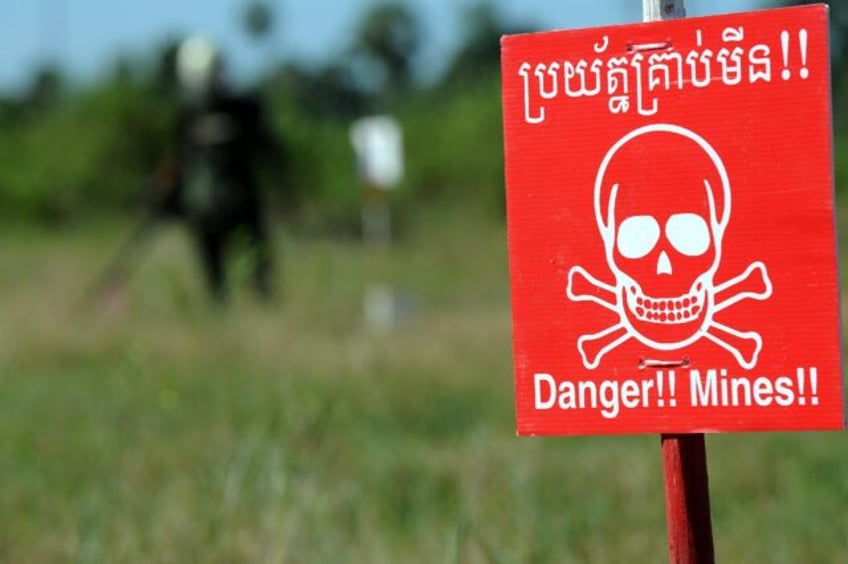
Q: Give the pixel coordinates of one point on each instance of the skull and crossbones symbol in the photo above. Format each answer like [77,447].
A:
[662,203]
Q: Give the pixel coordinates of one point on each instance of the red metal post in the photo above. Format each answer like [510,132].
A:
[687,500]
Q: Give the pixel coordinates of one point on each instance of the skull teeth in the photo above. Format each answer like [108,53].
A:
[678,309]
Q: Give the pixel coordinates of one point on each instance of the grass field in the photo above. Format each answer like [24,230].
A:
[159,430]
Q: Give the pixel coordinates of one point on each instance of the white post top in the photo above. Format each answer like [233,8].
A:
[657,10]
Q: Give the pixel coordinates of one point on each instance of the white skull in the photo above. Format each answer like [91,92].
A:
[662,201]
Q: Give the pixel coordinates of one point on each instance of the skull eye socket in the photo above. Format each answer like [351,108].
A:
[637,236]
[688,234]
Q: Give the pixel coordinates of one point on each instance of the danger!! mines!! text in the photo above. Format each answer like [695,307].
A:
[712,387]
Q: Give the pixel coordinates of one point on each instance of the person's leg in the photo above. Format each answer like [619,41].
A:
[210,247]
[259,246]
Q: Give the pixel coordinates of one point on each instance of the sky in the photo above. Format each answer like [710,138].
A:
[87,36]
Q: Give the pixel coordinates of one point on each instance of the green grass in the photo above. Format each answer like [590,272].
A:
[157,429]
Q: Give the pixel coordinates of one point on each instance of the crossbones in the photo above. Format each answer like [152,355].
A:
[662,223]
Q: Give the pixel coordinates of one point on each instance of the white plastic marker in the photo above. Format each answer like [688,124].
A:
[378,144]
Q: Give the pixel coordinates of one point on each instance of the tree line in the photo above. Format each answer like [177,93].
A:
[72,152]
[68,153]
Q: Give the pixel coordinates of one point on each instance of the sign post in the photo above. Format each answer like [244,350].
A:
[687,489]
[687,499]
[672,237]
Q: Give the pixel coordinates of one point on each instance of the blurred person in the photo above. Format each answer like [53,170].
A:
[210,182]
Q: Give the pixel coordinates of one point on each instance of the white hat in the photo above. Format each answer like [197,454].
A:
[198,64]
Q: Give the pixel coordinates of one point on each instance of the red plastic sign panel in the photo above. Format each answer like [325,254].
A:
[671,226]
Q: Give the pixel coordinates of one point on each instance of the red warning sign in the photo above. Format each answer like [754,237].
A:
[671,226]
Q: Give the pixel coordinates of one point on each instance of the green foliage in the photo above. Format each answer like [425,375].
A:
[321,181]
[86,155]
[455,146]
[70,154]
[67,155]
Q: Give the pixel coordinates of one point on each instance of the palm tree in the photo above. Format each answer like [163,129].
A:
[389,36]
[258,19]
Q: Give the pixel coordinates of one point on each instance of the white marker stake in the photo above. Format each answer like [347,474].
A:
[378,144]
